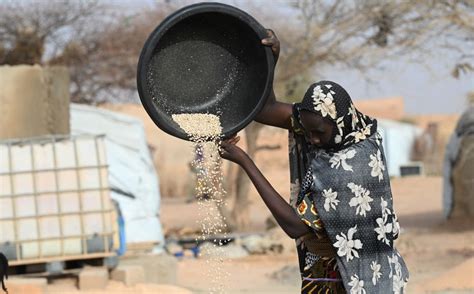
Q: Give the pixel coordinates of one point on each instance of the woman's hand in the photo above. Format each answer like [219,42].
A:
[273,42]
[230,151]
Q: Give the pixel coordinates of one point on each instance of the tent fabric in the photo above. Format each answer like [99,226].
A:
[464,127]
[450,158]
[398,139]
[133,180]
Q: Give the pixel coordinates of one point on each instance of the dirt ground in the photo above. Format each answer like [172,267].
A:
[439,254]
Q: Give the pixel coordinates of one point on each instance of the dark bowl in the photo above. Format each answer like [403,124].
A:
[205,58]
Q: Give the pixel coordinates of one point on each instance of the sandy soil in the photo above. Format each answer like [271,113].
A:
[68,286]
[433,248]
[439,254]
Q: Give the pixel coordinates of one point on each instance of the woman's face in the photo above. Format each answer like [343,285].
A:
[318,130]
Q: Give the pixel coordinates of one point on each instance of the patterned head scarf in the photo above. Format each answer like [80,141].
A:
[331,101]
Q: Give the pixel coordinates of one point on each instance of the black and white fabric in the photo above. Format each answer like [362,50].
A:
[352,194]
[332,102]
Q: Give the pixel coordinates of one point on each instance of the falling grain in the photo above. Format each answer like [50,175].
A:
[205,131]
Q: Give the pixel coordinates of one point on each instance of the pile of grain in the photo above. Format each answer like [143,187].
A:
[200,126]
[205,132]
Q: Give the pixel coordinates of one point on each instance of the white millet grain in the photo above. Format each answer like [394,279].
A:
[205,132]
[199,125]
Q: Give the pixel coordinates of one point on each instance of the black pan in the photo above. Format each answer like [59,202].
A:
[205,58]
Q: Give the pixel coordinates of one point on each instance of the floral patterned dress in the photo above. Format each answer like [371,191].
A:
[319,274]
[343,193]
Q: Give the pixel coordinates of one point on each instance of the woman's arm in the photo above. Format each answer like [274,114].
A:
[274,113]
[284,214]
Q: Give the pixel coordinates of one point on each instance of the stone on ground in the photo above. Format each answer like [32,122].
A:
[256,244]
[130,275]
[91,278]
[159,268]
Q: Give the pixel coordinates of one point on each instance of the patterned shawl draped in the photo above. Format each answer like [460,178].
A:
[350,190]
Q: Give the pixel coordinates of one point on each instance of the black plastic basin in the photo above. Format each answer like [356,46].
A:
[205,58]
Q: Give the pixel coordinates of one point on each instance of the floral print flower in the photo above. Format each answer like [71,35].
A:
[317,93]
[357,285]
[318,224]
[385,210]
[340,128]
[353,113]
[339,158]
[324,103]
[308,223]
[396,227]
[396,274]
[356,189]
[361,200]
[361,134]
[376,274]
[330,200]
[340,125]
[346,245]
[302,207]
[383,229]
[313,209]
[377,165]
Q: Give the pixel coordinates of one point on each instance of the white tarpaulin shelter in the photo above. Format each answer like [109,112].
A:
[132,176]
[398,140]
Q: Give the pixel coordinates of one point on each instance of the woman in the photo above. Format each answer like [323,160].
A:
[340,209]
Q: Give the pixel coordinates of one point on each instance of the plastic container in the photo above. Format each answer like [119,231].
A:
[54,199]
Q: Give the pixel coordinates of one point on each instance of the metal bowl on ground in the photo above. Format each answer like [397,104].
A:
[205,58]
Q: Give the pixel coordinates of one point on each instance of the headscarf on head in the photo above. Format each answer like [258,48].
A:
[332,102]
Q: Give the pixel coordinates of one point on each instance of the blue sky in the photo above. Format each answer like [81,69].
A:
[426,88]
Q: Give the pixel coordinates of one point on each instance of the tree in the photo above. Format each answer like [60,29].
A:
[99,45]
[358,35]
[26,28]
